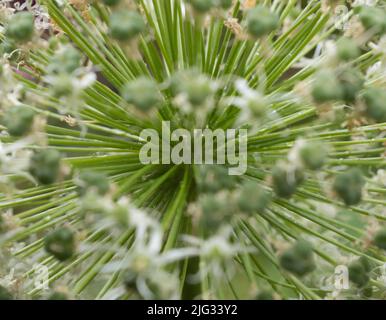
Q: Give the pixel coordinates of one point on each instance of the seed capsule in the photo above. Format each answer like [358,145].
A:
[62,85]
[348,185]
[261,21]
[202,6]
[351,82]
[253,198]
[18,120]
[285,182]
[143,93]
[225,4]
[326,87]
[66,60]
[347,49]
[375,104]
[45,165]
[313,155]
[196,86]
[21,27]
[60,243]
[111,3]
[380,239]
[57,296]
[358,273]
[298,260]
[264,295]
[93,180]
[211,179]
[373,19]
[125,25]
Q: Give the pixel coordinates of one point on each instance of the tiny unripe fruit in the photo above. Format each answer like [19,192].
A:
[18,120]
[202,6]
[196,86]
[60,243]
[5,294]
[380,239]
[111,3]
[226,4]
[45,165]
[375,104]
[298,260]
[347,49]
[253,198]
[348,185]
[285,182]
[125,25]
[264,295]
[91,180]
[66,60]
[215,212]
[143,93]
[21,27]
[373,19]
[358,273]
[351,82]
[313,155]
[57,296]
[261,21]
[198,90]
[211,179]
[62,85]
[326,87]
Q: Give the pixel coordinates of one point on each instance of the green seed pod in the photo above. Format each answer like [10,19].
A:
[5,294]
[143,93]
[261,21]
[111,3]
[347,49]
[202,6]
[214,178]
[91,180]
[253,198]
[326,87]
[198,90]
[264,295]
[298,260]
[365,263]
[60,243]
[348,185]
[285,182]
[67,60]
[18,120]
[375,104]
[21,27]
[196,86]
[62,85]
[225,4]
[125,25]
[313,155]
[367,291]
[351,82]
[45,165]
[57,296]
[380,239]
[216,211]
[358,274]
[373,19]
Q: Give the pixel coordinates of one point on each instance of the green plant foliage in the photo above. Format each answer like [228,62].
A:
[81,80]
